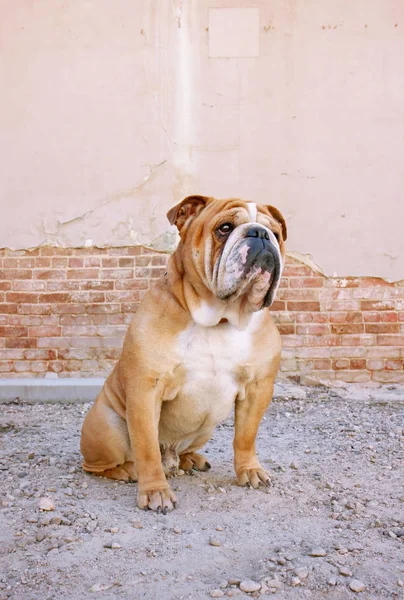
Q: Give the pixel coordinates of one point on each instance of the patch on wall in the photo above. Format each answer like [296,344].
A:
[233,32]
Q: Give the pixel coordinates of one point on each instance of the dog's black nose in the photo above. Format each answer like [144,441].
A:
[258,232]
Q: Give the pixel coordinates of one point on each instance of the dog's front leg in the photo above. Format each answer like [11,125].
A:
[248,414]
[143,406]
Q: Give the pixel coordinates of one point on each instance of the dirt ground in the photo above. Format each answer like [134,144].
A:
[334,513]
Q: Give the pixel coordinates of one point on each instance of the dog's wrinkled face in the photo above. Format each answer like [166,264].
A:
[235,247]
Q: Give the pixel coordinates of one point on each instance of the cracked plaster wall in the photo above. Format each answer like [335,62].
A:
[113,111]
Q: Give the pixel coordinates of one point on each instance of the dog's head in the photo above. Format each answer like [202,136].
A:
[234,248]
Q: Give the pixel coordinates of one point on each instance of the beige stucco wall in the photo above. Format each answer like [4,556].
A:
[113,111]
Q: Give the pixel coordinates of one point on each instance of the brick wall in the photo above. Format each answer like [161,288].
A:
[66,311]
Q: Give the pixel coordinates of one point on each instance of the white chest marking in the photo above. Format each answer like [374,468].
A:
[252,211]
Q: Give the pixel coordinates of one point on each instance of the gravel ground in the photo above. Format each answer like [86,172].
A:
[332,521]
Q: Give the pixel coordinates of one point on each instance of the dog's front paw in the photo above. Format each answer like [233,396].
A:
[253,477]
[160,499]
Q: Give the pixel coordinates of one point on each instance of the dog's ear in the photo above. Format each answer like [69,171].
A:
[186,210]
[277,215]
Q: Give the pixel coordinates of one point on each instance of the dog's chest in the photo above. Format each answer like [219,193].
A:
[213,359]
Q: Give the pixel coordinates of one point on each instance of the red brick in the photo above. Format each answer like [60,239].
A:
[90,251]
[346,317]
[5,286]
[321,340]
[55,251]
[6,366]
[377,305]
[372,317]
[49,274]
[88,297]
[34,309]
[8,308]
[394,365]
[21,343]
[59,262]
[388,376]
[157,272]
[87,342]
[285,329]
[301,306]
[297,270]
[38,366]
[98,285]
[53,297]
[122,296]
[343,282]
[110,263]
[162,259]
[45,331]
[63,286]
[116,273]
[68,308]
[20,297]
[29,285]
[52,343]
[92,261]
[125,262]
[313,329]
[19,263]
[275,306]
[357,364]
[76,263]
[344,328]
[143,261]
[340,305]
[316,352]
[130,307]
[306,282]
[12,354]
[364,339]
[375,364]
[43,354]
[390,340]
[83,274]
[340,363]
[43,263]
[13,331]
[11,274]
[103,308]
[382,328]
[308,317]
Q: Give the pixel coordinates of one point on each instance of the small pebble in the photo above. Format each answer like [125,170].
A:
[46,504]
[294,465]
[345,572]
[177,530]
[216,594]
[302,572]
[356,585]
[317,552]
[234,581]
[295,581]
[400,583]
[219,528]
[137,525]
[248,585]
[214,542]
[332,581]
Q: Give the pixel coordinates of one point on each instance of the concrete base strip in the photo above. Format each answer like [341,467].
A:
[50,390]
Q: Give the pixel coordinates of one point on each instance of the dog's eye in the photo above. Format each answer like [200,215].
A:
[225,228]
[276,234]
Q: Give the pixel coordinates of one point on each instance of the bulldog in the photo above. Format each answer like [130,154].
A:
[201,341]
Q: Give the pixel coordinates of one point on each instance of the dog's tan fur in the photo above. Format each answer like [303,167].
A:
[157,402]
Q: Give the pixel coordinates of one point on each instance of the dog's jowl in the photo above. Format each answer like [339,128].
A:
[201,341]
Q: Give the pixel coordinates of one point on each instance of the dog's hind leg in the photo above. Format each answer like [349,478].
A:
[105,443]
